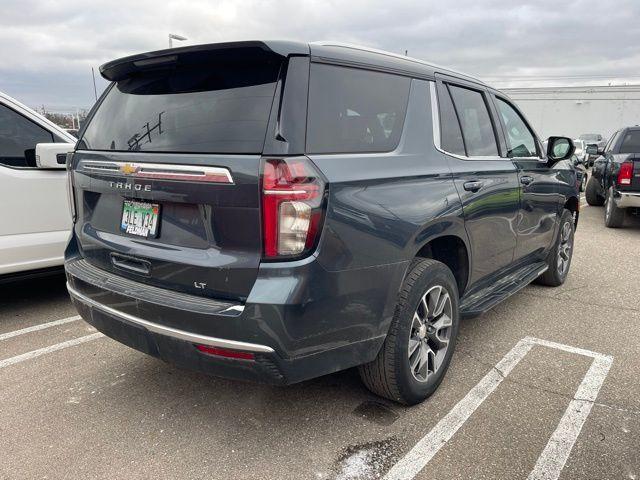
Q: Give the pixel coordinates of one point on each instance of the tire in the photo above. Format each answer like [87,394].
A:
[613,216]
[391,374]
[591,193]
[583,184]
[559,258]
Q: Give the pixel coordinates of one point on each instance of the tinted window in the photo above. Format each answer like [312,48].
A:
[612,142]
[476,123]
[221,108]
[520,140]
[451,135]
[353,110]
[18,139]
[631,142]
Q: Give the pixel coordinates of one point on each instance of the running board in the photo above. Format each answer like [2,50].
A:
[483,300]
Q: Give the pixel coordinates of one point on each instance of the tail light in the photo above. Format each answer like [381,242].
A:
[625,174]
[292,206]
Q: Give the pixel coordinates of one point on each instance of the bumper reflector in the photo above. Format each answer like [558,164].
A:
[223,352]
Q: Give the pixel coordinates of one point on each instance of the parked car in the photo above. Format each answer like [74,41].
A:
[594,139]
[615,178]
[233,223]
[35,220]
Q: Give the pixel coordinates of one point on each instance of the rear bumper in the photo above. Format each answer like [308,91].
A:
[627,200]
[299,322]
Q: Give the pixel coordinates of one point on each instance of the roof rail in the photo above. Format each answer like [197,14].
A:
[329,43]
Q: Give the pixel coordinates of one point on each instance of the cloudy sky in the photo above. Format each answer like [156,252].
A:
[47,47]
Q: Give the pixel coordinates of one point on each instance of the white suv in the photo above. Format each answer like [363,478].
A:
[35,219]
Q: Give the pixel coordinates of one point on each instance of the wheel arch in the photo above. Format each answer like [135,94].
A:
[452,250]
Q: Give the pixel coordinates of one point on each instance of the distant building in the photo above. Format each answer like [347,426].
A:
[571,111]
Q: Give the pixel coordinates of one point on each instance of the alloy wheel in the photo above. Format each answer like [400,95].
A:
[564,249]
[430,333]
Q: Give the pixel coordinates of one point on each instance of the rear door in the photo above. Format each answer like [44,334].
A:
[167,173]
[539,184]
[486,182]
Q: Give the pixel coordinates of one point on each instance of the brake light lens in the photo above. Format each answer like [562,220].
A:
[292,206]
[625,174]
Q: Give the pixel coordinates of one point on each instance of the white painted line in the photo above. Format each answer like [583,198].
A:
[414,461]
[551,462]
[35,328]
[53,348]
[555,454]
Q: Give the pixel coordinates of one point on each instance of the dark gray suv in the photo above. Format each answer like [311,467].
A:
[278,211]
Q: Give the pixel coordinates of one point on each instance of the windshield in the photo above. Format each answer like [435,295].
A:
[209,109]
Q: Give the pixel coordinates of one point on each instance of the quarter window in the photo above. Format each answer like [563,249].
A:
[18,139]
[520,140]
[450,133]
[352,110]
[477,129]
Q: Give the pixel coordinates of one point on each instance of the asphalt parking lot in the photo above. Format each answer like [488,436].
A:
[543,386]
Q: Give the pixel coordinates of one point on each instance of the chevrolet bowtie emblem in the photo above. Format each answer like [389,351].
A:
[128,169]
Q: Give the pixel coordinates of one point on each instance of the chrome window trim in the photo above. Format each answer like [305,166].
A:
[435,115]
[169,331]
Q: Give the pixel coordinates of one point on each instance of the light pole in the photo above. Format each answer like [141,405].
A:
[173,36]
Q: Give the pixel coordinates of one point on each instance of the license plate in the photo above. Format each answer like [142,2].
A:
[140,218]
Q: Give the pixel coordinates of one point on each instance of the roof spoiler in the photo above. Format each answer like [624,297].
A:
[199,54]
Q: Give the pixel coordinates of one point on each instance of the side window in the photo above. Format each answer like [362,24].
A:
[612,142]
[477,130]
[352,110]
[450,133]
[18,138]
[520,141]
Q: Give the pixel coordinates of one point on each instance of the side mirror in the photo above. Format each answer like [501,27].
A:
[592,150]
[560,148]
[52,155]
[600,150]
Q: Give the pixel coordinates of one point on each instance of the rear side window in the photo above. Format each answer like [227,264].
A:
[352,110]
[631,142]
[208,108]
[18,139]
[479,137]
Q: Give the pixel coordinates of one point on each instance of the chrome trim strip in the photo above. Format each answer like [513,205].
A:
[171,332]
[284,192]
[160,171]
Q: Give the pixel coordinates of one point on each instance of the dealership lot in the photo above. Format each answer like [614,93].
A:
[79,405]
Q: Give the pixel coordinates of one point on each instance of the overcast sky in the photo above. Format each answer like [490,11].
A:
[47,48]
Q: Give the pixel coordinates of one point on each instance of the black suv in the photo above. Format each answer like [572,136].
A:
[278,211]
[615,178]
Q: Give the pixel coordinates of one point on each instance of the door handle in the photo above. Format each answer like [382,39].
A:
[131,264]
[473,186]
[526,179]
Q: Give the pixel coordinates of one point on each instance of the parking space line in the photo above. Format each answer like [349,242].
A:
[558,448]
[555,454]
[35,328]
[52,348]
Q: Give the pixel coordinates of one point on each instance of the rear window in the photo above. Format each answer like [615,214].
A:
[221,108]
[352,110]
[631,142]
